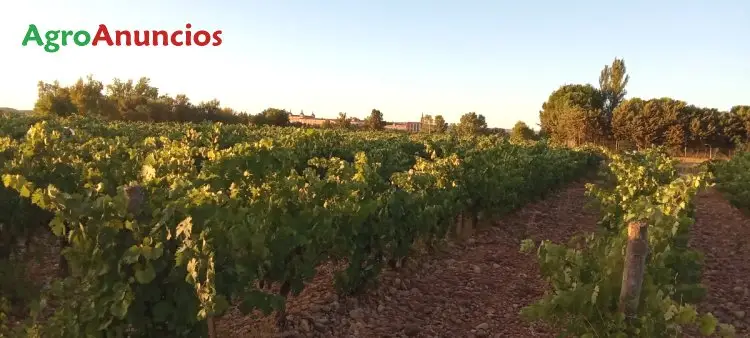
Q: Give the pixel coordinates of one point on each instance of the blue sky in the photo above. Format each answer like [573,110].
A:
[498,58]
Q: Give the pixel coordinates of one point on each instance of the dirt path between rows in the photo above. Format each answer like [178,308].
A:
[722,233]
[472,289]
[476,288]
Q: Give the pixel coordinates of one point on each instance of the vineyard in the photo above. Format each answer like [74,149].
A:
[165,228]
[155,218]
[644,190]
[733,178]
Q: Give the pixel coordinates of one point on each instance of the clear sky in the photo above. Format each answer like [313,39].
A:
[498,58]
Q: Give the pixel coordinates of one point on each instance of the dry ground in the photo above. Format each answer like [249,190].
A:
[476,288]
[722,233]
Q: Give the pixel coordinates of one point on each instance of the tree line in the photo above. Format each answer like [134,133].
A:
[581,113]
[573,114]
[140,101]
[469,124]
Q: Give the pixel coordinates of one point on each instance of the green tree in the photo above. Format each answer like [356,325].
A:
[704,126]
[375,121]
[653,122]
[160,109]
[89,97]
[625,119]
[521,132]
[612,82]
[573,115]
[258,119]
[743,114]
[183,110]
[54,99]
[676,136]
[734,131]
[276,117]
[440,126]
[497,131]
[471,124]
[208,110]
[131,99]
[343,121]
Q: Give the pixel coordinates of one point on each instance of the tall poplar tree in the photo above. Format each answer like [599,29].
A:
[612,82]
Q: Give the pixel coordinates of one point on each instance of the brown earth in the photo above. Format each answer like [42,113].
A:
[34,267]
[476,288]
[722,233]
[470,289]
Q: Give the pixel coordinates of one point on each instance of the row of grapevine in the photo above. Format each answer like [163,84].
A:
[586,274]
[733,179]
[165,225]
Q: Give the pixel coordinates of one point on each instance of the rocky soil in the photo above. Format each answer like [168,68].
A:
[722,233]
[470,289]
[476,288]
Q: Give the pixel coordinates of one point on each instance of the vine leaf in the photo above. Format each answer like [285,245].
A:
[708,324]
[145,274]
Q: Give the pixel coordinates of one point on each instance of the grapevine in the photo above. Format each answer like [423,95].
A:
[586,274]
[733,179]
[163,226]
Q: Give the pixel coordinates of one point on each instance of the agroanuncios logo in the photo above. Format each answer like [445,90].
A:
[52,40]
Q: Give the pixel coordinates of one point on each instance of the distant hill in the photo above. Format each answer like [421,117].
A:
[13,110]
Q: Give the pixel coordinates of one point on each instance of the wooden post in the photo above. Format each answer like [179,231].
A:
[465,224]
[211,327]
[470,225]
[459,224]
[634,268]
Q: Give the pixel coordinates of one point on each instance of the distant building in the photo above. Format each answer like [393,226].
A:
[311,120]
[413,127]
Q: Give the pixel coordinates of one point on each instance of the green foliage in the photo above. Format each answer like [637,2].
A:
[738,124]
[139,101]
[521,133]
[165,224]
[471,124]
[704,126]
[343,121]
[4,310]
[652,122]
[440,125]
[54,99]
[375,121]
[273,117]
[573,114]
[735,126]
[586,274]
[578,113]
[733,179]
[612,82]
[673,123]
[327,124]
